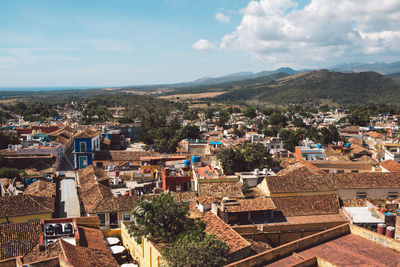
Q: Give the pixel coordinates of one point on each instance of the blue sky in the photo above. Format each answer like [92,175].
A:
[127,42]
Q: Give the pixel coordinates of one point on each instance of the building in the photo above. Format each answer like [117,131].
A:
[98,200]
[343,245]
[148,254]
[86,143]
[303,181]
[391,151]
[24,208]
[17,239]
[56,242]
[244,211]
[39,155]
[120,159]
[310,151]
[176,178]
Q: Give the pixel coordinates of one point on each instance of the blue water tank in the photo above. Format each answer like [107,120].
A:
[319,146]
[348,145]
[195,158]
[187,163]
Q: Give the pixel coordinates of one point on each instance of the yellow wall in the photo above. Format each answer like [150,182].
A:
[112,232]
[26,218]
[146,254]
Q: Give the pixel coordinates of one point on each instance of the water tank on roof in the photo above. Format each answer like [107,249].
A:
[319,146]
[187,163]
[49,230]
[68,228]
[197,140]
[195,158]
[58,229]
[348,145]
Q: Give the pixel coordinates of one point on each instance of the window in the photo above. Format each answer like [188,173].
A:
[82,146]
[361,195]
[126,215]
[102,219]
[354,171]
[99,164]
[272,146]
[393,195]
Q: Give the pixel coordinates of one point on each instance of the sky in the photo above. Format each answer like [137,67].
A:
[111,43]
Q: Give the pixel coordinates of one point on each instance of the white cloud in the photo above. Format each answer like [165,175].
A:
[222,18]
[203,45]
[325,30]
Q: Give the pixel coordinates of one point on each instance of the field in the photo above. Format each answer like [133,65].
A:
[192,96]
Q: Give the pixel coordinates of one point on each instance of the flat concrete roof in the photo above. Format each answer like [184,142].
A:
[362,215]
[348,250]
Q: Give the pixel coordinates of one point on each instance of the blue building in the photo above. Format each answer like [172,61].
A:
[86,143]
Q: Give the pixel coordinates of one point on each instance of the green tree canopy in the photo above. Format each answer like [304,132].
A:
[161,219]
[197,250]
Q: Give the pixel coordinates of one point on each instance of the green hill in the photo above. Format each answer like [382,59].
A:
[395,76]
[313,86]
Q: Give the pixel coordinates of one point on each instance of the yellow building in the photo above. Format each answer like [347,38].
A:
[25,208]
[147,254]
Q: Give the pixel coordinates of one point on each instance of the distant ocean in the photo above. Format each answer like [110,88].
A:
[32,89]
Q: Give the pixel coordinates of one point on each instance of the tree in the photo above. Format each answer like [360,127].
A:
[250,112]
[270,131]
[223,118]
[190,115]
[277,118]
[290,140]
[256,156]
[248,158]
[161,219]
[7,138]
[298,122]
[232,160]
[196,250]
[188,131]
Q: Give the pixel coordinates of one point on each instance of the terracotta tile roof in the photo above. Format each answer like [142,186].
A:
[303,182]
[300,180]
[354,202]
[375,135]
[91,238]
[82,256]
[90,175]
[124,203]
[120,155]
[91,245]
[97,197]
[205,200]
[221,190]
[391,165]
[307,205]
[214,225]
[255,204]
[16,239]
[21,205]
[367,180]
[188,196]
[34,255]
[87,133]
[41,188]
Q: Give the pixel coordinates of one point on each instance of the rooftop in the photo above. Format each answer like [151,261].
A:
[221,190]
[307,205]
[348,250]
[16,239]
[22,205]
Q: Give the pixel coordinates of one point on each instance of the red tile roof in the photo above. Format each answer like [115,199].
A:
[307,205]
[16,239]
[391,165]
[21,205]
